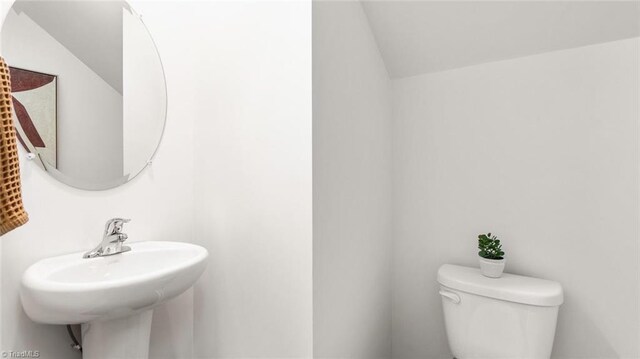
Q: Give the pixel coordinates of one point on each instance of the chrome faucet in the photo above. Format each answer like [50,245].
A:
[112,239]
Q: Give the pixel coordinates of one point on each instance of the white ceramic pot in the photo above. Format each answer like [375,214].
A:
[492,268]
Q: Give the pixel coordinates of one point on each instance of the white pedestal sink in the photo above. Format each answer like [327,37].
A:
[113,296]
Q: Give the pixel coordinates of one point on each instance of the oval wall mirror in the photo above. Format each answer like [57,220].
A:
[88,89]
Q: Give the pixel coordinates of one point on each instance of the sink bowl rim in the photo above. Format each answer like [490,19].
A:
[33,278]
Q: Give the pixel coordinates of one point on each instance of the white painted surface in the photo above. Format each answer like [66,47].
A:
[253,113]
[64,220]
[542,151]
[417,37]
[555,125]
[253,177]
[144,95]
[351,186]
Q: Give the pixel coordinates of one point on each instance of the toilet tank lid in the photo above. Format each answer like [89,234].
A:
[509,287]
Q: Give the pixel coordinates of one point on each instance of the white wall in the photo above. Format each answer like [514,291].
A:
[242,73]
[351,186]
[253,178]
[542,151]
[62,219]
[143,89]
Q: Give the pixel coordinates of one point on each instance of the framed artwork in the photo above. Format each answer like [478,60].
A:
[34,96]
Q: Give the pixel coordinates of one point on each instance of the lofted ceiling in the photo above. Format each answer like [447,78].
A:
[416,37]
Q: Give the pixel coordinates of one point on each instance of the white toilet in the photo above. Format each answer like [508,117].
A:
[510,317]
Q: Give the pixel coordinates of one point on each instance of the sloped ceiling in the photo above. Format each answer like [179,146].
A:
[417,37]
[91,30]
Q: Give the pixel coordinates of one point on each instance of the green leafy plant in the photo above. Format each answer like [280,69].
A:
[490,247]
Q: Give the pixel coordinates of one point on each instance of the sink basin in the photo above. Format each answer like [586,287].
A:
[111,295]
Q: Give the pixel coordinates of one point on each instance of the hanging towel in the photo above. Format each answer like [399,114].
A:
[12,213]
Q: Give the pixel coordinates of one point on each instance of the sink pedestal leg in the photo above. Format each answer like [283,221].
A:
[121,338]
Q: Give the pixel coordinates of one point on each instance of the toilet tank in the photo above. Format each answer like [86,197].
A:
[508,317]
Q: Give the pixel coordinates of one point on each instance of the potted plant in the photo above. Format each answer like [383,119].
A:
[491,256]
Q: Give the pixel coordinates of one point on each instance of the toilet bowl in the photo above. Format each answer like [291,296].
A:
[510,317]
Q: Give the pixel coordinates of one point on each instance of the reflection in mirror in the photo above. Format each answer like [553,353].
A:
[88,87]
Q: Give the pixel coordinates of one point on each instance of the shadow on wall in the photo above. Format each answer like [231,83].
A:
[49,336]
[595,344]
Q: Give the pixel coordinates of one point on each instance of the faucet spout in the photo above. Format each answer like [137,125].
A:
[112,239]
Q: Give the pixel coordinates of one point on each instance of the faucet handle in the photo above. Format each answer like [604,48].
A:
[114,225]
